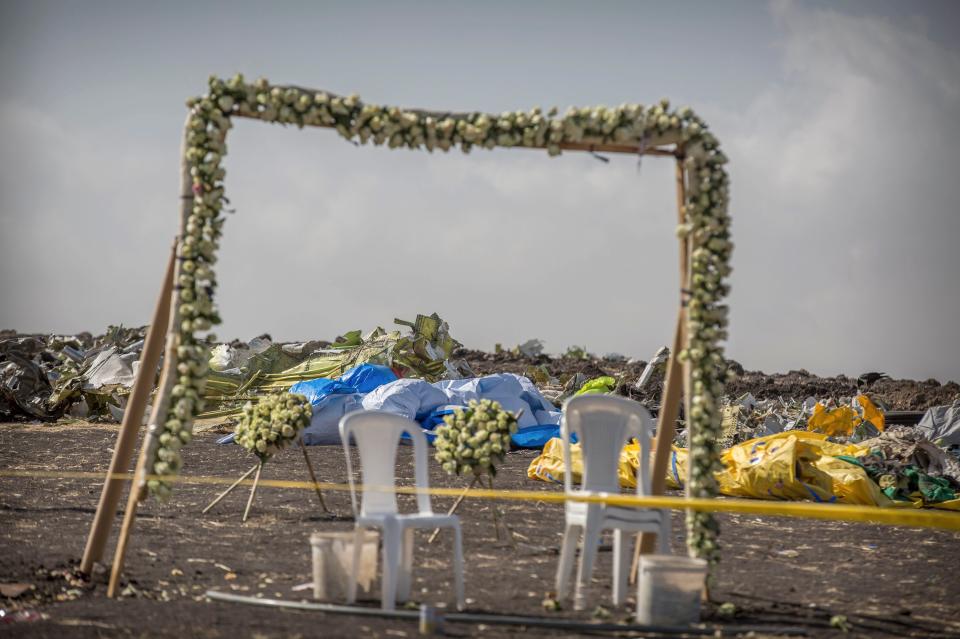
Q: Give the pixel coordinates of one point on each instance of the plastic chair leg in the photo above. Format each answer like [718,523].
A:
[588,553]
[355,564]
[391,566]
[663,539]
[405,576]
[458,566]
[621,565]
[565,565]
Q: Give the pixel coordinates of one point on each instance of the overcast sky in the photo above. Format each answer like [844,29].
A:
[841,123]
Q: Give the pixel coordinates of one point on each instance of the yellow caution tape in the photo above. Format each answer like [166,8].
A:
[832,512]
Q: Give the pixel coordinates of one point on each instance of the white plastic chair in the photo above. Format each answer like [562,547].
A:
[603,424]
[377,434]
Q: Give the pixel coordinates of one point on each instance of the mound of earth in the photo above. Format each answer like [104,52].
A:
[895,394]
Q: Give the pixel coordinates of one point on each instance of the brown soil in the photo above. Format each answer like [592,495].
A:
[778,572]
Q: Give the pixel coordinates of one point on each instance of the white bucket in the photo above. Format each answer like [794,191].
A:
[669,590]
[332,557]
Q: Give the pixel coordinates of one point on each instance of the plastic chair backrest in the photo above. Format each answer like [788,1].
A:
[603,424]
[377,435]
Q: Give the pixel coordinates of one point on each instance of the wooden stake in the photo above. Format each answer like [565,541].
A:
[453,509]
[499,518]
[132,419]
[228,490]
[253,491]
[138,485]
[129,515]
[168,374]
[677,377]
[313,477]
[121,550]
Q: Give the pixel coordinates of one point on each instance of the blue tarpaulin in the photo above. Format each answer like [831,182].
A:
[427,404]
[374,387]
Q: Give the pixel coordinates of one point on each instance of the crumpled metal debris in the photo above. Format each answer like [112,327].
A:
[745,417]
[96,373]
[557,390]
[236,354]
[906,465]
[904,446]
[43,377]
[24,386]
[48,376]
[942,424]
[424,351]
[656,365]
[532,348]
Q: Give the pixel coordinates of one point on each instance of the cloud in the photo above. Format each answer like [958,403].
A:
[843,166]
[79,228]
[844,216]
[506,245]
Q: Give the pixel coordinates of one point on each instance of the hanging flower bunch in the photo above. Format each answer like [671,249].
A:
[707,227]
[272,423]
[706,222]
[194,280]
[167,460]
[474,440]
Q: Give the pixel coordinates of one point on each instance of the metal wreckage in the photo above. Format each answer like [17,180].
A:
[82,376]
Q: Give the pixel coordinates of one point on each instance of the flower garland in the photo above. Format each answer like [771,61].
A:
[706,225]
[474,440]
[273,423]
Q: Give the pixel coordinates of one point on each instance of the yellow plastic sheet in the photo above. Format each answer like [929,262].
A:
[953,504]
[838,421]
[795,465]
[549,465]
[871,413]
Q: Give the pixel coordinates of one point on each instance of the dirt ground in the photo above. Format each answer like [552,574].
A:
[778,573]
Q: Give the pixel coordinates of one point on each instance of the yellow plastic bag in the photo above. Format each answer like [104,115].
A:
[851,484]
[795,465]
[773,468]
[548,466]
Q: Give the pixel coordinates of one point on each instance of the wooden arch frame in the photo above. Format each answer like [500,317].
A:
[184,307]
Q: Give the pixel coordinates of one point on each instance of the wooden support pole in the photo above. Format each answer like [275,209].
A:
[129,516]
[453,509]
[138,485]
[219,497]
[653,144]
[130,427]
[499,518]
[253,491]
[168,375]
[627,149]
[313,477]
[677,378]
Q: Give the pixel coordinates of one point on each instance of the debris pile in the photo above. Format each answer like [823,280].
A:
[422,350]
[847,418]
[48,377]
[45,377]
[904,463]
